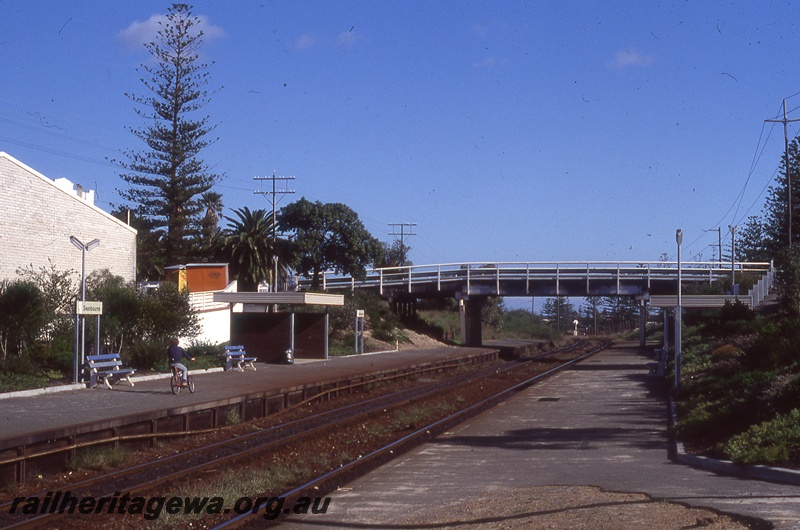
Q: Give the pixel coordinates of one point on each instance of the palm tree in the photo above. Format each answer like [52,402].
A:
[212,202]
[247,243]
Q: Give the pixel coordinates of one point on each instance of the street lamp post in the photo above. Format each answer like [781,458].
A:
[78,361]
[733,258]
[677,385]
[275,259]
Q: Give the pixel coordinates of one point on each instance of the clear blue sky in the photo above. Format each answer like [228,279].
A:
[508,131]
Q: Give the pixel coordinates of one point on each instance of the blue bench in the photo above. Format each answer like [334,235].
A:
[107,369]
[236,357]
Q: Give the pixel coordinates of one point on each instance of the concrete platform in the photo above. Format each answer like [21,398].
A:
[53,411]
[32,425]
[602,423]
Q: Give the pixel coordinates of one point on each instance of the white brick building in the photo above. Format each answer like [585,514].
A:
[38,216]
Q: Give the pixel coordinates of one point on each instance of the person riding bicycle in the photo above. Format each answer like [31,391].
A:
[176,354]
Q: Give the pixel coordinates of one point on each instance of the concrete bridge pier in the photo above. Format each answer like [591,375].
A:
[471,320]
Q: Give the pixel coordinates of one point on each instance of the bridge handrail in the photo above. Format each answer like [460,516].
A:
[443,272]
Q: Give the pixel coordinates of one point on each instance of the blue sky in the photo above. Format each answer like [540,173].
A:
[508,131]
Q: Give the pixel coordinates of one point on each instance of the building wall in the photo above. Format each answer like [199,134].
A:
[215,327]
[37,217]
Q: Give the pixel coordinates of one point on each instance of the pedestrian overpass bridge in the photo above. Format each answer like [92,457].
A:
[653,283]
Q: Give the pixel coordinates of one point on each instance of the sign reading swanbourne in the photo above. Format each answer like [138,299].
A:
[90,308]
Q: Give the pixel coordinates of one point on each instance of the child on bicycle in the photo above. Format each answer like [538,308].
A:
[176,354]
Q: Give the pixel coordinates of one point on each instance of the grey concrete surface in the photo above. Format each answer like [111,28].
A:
[602,423]
[52,411]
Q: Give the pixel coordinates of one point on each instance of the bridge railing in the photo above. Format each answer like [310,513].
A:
[444,274]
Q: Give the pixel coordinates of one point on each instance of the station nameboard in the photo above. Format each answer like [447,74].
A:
[90,308]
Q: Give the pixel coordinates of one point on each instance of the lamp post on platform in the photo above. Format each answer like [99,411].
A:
[733,259]
[677,385]
[84,248]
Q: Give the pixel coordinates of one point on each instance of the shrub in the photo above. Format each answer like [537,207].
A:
[775,345]
[771,442]
[15,381]
[718,405]
[735,311]
[21,316]
[785,393]
[726,352]
[379,318]
[148,355]
[521,324]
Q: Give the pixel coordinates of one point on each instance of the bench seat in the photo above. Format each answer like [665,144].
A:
[107,369]
[236,357]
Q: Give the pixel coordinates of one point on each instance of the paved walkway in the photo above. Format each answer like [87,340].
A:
[602,423]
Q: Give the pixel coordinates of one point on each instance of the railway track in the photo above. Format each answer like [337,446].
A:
[245,449]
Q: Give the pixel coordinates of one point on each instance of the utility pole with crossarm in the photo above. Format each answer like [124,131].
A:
[402,235]
[274,200]
[785,122]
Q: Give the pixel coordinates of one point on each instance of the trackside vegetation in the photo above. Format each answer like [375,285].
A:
[740,393]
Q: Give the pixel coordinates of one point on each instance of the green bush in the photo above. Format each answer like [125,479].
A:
[722,401]
[147,355]
[785,394]
[776,345]
[379,318]
[14,381]
[736,311]
[726,352]
[22,316]
[209,349]
[772,442]
[521,324]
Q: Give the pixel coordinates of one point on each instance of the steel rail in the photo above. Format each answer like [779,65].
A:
[317,423]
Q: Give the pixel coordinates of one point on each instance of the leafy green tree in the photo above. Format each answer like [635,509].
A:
[751,241]
[787,279]
[591,313]
[121,309]
[165,313]
[150,261]
[776,217]
[393,255]
[247,245]
[559,312]
[58,296]
[140,322]
[492,312]
[22,316]
[327,237]
[166,179]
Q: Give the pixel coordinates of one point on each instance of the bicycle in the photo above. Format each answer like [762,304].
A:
[176,382]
